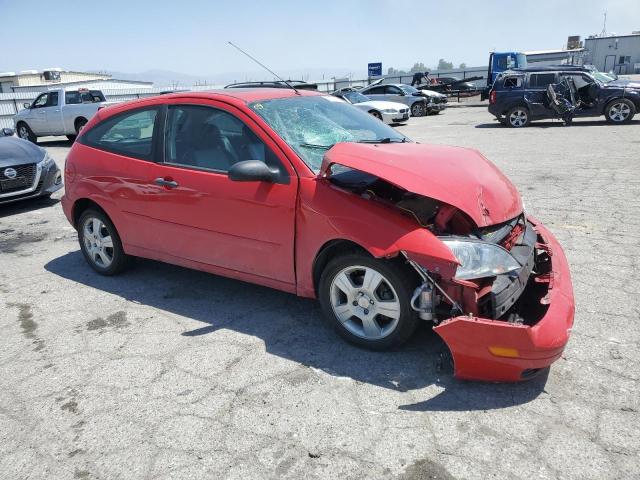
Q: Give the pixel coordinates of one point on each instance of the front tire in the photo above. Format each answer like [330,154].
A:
[101,244]
[25,132]
[620,111]
[518,117]
[367,300]
[418,109]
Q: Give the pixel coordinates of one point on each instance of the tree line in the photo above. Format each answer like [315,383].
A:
[421,67]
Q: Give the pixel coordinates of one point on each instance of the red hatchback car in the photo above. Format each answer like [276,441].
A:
[304,193]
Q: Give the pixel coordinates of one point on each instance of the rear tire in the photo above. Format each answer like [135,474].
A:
[25,132]
[620,111]
[71,138]
[518,117]
[100,243]
[366,300]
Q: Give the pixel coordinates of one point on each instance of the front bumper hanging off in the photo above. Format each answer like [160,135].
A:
[497,350]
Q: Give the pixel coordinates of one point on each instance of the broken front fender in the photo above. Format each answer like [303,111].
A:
[495,350]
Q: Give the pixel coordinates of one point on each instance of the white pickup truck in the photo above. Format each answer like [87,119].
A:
[58,112]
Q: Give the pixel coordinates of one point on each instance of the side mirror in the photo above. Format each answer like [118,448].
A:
[7,132]
[252,171]
[26,105]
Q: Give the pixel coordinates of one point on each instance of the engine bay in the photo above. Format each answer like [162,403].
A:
[508,297]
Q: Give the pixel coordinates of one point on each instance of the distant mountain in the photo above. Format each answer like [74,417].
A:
[167,78]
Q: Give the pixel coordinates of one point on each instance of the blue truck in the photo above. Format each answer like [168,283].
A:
[500,62]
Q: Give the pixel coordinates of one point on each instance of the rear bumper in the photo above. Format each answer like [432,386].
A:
[67,208]
[495,350]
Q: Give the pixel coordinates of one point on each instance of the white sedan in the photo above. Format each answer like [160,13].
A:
[388,112]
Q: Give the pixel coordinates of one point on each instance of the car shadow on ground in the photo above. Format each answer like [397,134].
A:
[292,328]
[25,206]
[560,123]
[55,142]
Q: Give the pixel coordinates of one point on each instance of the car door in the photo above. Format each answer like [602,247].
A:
[536,94]
[53,115]
[202,215]
[37,118]
[394,94]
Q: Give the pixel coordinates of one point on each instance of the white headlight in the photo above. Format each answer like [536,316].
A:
[481,259]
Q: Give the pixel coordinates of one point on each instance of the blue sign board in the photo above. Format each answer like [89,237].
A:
[375,69]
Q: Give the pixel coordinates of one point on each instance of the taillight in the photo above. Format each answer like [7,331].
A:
[492,96]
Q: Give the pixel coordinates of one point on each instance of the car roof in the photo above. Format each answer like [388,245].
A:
[552,68]
[247,95]
[235,96]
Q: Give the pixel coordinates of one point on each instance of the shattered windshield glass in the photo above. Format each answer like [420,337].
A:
[602,77]
[312,125]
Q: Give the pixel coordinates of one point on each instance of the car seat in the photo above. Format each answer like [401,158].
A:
[208,149]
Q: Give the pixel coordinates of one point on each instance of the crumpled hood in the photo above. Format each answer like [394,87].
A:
[15,151]
[458,176]
[624,83]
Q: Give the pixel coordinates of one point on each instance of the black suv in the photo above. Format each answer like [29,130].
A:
[521,95]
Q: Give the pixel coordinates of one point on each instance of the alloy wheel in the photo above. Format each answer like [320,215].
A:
[618,112]
[98,242]
[518,118]
[365,302]
[417,110]
[23,133]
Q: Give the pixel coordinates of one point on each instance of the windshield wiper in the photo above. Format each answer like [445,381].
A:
[313,145]
[384,140]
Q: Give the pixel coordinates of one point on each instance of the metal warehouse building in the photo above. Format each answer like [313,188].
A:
[618,53]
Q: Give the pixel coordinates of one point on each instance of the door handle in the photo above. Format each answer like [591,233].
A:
[163,182]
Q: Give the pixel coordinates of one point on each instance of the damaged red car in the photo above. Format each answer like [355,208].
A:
[304,193]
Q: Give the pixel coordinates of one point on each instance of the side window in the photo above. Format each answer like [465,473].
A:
[541,80]
[513,82]
[375,91]
[211,139]
[52,101]
[71,98]
[86,97]
[129,134]
[41,101]
[391,90]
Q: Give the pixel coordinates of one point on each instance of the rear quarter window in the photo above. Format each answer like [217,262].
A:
[130,134]
[513,82]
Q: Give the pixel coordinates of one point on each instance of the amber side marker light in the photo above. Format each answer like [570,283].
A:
[504,352]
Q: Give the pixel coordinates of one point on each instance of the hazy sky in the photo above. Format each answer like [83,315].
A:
[190,36]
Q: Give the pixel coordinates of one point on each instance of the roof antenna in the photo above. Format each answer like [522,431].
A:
[286,82]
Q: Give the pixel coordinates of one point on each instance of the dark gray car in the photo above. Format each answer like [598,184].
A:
[26,170]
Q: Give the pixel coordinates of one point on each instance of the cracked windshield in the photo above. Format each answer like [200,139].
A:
[312,125]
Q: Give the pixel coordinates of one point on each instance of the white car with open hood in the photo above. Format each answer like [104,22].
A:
[388,112]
